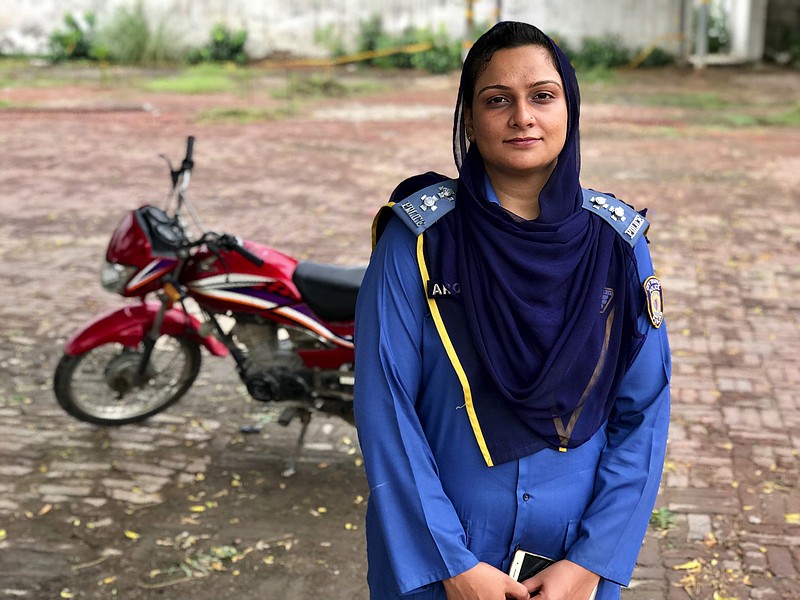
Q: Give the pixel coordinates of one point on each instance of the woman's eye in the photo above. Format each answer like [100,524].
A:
[539,96]
[496,100]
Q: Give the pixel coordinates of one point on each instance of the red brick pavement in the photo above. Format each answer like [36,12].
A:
[725,238]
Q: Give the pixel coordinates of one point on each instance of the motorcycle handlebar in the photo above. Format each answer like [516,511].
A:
[248,255]
[188,163]
[231,242]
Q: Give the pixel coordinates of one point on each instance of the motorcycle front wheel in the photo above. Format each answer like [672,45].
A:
[100,386]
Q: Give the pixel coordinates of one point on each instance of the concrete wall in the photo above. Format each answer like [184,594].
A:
[272,25]
[640,23]
[281,25]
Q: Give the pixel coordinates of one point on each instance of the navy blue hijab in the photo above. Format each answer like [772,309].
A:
[535,292]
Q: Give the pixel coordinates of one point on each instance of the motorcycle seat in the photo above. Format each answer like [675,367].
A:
[329,290]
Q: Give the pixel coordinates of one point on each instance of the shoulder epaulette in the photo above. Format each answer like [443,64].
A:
[625,220]
[422,209]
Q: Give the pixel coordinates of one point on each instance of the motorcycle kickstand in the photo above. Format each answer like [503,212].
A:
[291,465]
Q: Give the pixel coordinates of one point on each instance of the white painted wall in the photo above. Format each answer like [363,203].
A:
[289,25]
[272,25]
[639,23]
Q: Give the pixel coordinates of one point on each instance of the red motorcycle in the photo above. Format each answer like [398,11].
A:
[288,325]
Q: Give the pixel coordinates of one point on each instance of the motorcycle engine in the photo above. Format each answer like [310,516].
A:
[273,371]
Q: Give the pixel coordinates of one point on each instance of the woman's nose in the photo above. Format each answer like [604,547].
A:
[522,116]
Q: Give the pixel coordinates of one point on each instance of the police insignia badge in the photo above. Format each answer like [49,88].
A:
[655,301]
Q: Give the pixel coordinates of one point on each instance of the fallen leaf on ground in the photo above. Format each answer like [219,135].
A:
[688,566]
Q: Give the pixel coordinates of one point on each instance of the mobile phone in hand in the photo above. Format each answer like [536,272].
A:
[525,565]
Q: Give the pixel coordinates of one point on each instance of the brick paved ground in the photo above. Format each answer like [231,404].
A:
[73,498]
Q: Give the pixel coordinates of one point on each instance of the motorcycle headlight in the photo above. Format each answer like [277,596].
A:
[115,277]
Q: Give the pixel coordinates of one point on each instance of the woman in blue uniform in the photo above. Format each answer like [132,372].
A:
[512,370]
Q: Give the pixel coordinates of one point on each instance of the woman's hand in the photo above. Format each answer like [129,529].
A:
[484,582]
[563,580]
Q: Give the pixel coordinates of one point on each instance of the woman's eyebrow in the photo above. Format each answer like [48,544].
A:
[500,86]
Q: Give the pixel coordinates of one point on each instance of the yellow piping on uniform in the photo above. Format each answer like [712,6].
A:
[375,222]
[451,354]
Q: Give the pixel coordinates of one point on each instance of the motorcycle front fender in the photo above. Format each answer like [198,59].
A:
[128,325]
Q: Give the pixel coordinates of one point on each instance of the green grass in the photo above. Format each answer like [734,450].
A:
[242,116]
[788,118]
[320,85]
[203,79]
[698,100]
[596,75]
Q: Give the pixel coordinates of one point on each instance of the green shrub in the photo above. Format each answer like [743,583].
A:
[329,38]
[789,44]
[225,45]
[443,56]
[606,51]
[658,57]
[129,38]
[370,34]
[75,42]
[719,38]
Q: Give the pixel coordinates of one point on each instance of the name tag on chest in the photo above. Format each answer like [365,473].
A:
[440,289]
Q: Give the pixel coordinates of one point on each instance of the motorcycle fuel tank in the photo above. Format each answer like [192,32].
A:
[228,281]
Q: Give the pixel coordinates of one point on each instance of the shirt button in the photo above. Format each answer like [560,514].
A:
[526,496]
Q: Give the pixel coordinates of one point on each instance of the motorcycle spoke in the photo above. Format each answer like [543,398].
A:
[104,382]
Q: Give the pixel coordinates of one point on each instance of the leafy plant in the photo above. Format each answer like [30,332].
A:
[329,38]
[443,55]
[226,45]
[719,38]
[662,519]
[789,45]
[131,39]
[658,57]
[606,51]
[74,42]
[370,34]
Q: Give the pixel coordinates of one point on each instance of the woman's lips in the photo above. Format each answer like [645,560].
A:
[523,142]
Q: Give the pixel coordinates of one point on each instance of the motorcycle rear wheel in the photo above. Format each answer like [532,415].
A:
[97,386]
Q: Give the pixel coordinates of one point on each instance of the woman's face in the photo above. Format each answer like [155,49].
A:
[518,117]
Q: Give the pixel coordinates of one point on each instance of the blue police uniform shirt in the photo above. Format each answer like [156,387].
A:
[435,509]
